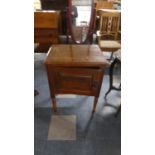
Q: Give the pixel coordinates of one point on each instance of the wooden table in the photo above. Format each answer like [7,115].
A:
[75,69]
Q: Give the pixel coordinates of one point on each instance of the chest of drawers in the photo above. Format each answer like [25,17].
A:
[46,29]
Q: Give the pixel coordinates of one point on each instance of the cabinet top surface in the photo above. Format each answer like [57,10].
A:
[75,55]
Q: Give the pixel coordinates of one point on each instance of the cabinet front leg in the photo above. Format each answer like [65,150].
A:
[54,103]
[95,104]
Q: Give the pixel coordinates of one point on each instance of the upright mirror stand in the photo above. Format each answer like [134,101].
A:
[80,21]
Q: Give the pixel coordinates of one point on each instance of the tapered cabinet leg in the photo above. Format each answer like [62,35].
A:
[54,103]
[95,104]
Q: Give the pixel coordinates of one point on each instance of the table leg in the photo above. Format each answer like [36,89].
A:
[111,77]
[95,104]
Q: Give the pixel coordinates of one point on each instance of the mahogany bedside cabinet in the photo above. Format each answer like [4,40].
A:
[75,69]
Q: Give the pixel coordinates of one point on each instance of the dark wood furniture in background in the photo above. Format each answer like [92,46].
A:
[59,5]
[46,28]
[75,69]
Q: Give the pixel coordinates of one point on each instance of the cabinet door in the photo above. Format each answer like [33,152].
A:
[82,81]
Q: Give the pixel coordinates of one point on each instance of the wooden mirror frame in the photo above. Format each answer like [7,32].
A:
[89,36]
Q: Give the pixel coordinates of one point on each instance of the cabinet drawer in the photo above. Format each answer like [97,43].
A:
[46,36]
[84,81]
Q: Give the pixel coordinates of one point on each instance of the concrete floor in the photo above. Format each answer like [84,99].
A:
[99,134]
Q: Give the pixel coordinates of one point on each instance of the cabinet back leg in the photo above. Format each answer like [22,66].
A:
[95,104]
